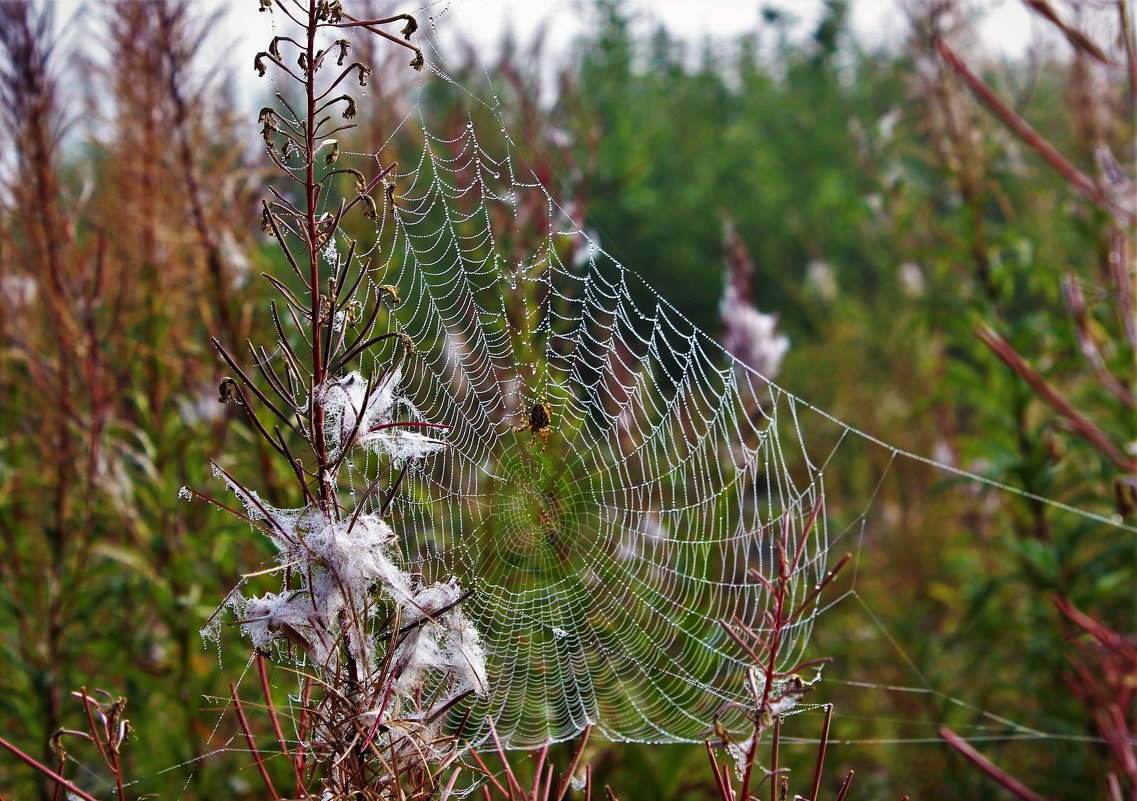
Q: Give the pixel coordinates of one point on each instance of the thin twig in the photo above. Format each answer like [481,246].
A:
[1042,388]
[985,766]
[1075,177]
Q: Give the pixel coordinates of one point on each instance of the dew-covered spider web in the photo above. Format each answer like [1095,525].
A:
[612,475]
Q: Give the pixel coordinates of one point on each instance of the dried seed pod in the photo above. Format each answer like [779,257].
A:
[392,292]
[267,118]
[417,61]
[344,45]
[1125,491]
[360,184]
[330,10]
[410,27]
[227,391]
[259,63]
[371,212]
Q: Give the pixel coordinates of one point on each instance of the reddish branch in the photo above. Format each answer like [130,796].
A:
[989,768]
[1013,120]
[1081,425]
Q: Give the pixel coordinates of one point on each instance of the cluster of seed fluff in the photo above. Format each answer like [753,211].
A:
[356,414]
[346,579]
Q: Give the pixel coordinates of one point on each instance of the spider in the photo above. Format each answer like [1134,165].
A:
[539,425]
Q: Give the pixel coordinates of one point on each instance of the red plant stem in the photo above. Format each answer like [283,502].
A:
[108,748]
[94,729]
[1120,267]
[45,770]
[316,405]
[1075,177]
[739,641]
[378,718]
[822,747]
[513,783]
[1105,636]
[1073,35]
[302,734]
[724,792]
[252,745]
[778,622]
[1077,305]
[549,785]
[1127,40]
[845,786]
[486,772]
[263,672]
[449,788]
[574,763]
[725,770]
[825,582]
[407,424]
[544,752]
[985,766]
[1114,787]
[775,748]
[1082,425]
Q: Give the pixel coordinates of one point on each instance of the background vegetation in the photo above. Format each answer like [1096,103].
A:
[906,238]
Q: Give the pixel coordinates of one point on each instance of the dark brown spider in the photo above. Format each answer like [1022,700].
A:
[540,424]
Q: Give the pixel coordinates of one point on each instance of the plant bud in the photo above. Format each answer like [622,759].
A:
[344,45]
[371,212]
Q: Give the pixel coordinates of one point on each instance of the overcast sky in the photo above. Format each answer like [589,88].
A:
[1007,24]
[1007,28]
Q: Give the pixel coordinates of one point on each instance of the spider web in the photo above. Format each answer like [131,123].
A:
[607,544]
[605,548]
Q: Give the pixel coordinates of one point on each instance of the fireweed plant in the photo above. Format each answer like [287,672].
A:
[381,656]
